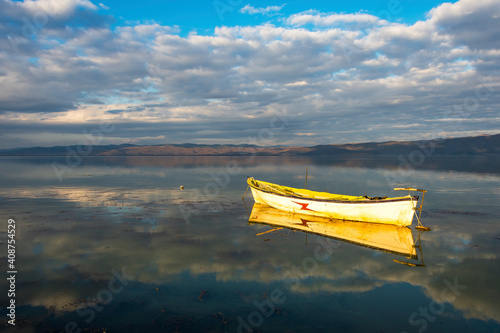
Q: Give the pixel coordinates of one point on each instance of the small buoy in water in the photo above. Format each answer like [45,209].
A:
[182,187]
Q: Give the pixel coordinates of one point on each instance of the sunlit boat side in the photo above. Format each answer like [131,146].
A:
[383,237]
[395,211]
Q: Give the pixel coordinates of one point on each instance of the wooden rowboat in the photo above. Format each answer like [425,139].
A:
[387,238]
[396,211]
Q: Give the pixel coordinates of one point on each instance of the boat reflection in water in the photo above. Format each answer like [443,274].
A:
[383,237]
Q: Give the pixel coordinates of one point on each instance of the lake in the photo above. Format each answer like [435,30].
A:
[112,244]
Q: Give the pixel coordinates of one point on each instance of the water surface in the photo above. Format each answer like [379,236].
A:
[114,245]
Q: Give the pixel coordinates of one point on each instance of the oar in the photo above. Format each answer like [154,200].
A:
[265,232]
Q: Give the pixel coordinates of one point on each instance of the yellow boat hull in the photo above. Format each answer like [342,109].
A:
[395,211]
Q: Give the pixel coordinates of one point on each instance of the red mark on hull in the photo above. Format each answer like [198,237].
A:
[304,206]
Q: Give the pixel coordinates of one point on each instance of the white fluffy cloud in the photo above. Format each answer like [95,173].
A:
[340,77]
[469,22]
[320,19]
[269,10]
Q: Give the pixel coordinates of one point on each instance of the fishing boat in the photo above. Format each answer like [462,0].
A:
[386,238]
[395,211]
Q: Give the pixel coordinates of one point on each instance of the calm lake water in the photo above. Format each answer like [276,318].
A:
[112,244]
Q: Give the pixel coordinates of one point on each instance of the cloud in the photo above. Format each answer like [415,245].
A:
[345,77]
[103,6]
[57,8]
[269,10]
[323,20]
[27,19]
[469,22]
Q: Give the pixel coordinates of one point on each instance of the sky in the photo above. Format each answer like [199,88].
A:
[247,72]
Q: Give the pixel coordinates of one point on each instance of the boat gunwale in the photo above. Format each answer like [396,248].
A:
[375,201]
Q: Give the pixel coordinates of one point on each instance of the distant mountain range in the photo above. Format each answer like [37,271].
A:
[478,145]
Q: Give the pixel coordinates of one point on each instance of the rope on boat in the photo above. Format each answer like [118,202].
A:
[411,189]
[245,192]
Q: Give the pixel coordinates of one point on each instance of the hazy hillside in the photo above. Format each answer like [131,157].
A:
[479,145]
[484,144]
[60,150]
[203,150]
